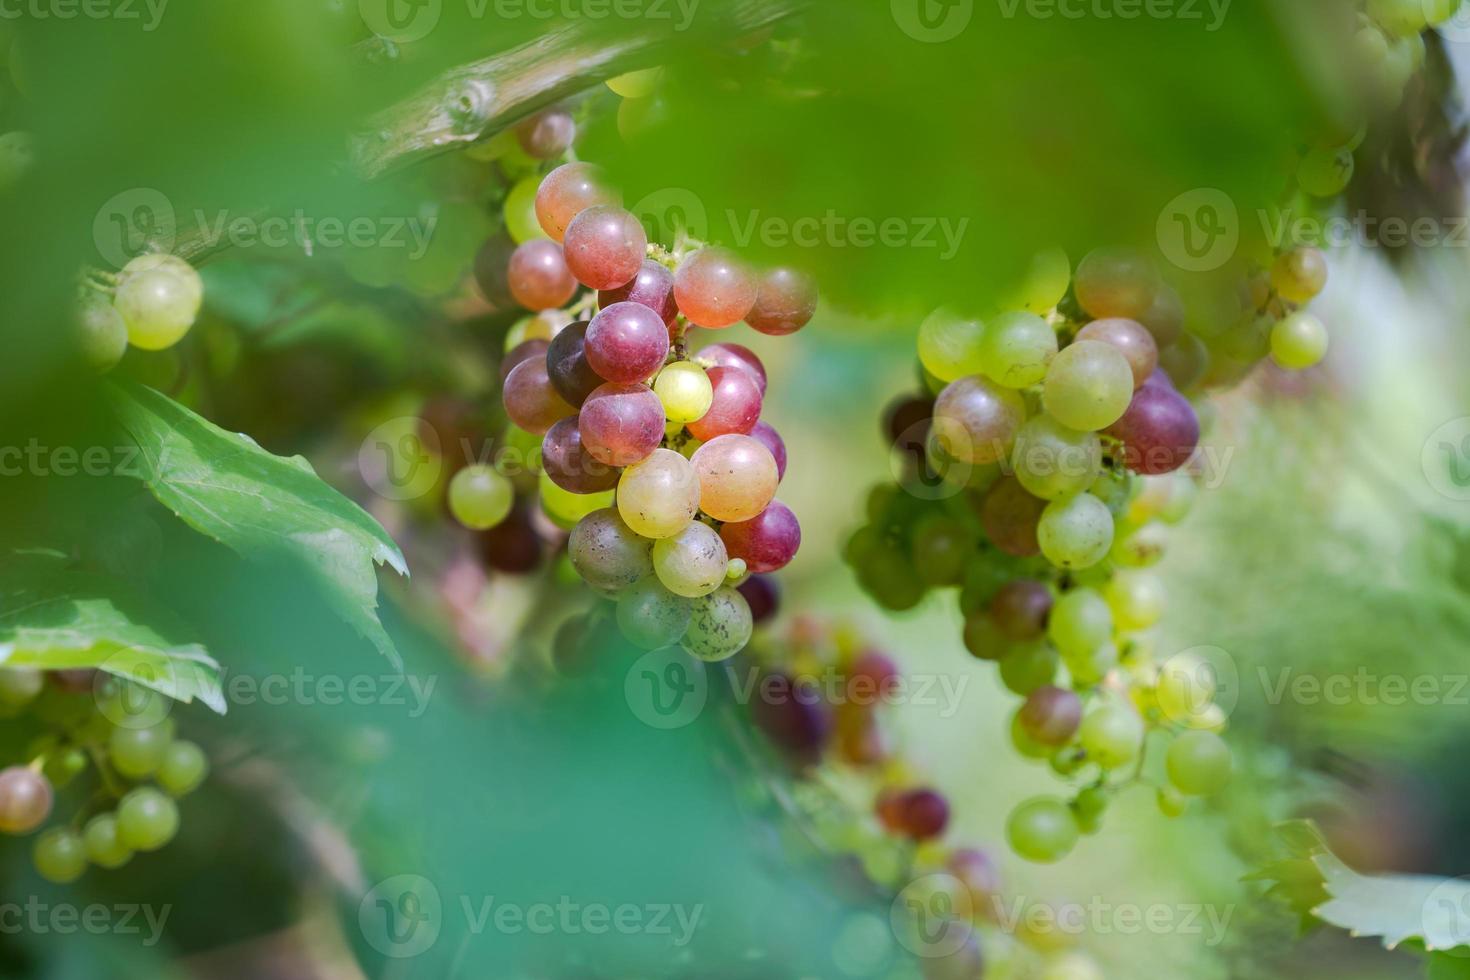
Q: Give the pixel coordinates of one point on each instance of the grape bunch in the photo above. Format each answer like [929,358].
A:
[656,460]
[151,304]
[139,769]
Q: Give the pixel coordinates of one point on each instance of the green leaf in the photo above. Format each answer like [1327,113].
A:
[263,507]
[1449,966]
[56,619]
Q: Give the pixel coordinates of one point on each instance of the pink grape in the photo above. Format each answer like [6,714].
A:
[653,286]
[735,356]
[714,288]
[621,424]
[1160,430]
[524,351]
[1009,515]
[1020,609]
[772,440]
[539,278]
[768,541]
[1131,339]
[25,800]
[627,342]
[567,191]
[785,302]
[1051,715]
[976,420]
[568,463]
[736,407]
[605,246]
[1115,282]
[547,134]
[530,400]
[566,364]
[737,477]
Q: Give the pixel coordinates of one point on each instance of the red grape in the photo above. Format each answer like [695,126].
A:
[735,356]
[1051,715]
[1160,430]
[530,400]
[923,814]
[714,289]
[736,407]
[873,675]
[568,463]
[605,246]
[653,287]
[784,302]
[1009,515]
[767,542]
[566,192]
[25,800]
[566,364]
[1021,607]
[538,276]
[524,351]
[771,439]
[621,424]
[547,134]
[627,342]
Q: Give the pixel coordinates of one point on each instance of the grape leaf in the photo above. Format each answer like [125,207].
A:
[259,505]
[53,618]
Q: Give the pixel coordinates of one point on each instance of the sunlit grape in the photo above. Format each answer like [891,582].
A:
[1042,830]
[976,420]
[1010,516]
[1052,461]
[605,247]
[685,391]
[1116,282]
[653,287]
[1088,386]
[785,302]
[562,508]
[538,275]
[714,288]
[734,356]
[480,497]
[608,554]
[1016,349]
[1131,339]
[530,400]
[547,134]
[1091,668]
[1080,622]
[1075,532]
[766,542]
[1043,284]
[691,563]
[627,343]
[650,616]
[520,210]
[567,191]
[950,346]
[659,496]
[737,477]
[1299,341]
[1400,16]
[1300,274]
[635,84]
[1112,735]
[1198,763]
[720,627]
[734,408]
[159,303]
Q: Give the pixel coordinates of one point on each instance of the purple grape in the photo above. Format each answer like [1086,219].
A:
[738,357]
[784,303]
[793,716]
[653,287]
[569,465]
[763,595]
[923,814]
[567,367]
[767,542]
[621,424]
[771,439]
[1160,430]
[627,343]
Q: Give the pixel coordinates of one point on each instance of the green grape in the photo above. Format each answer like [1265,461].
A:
[1090,668]
[1044,283]
[104,848]
[62,767]
[1070,966]
[950,346]
[19,686]
[1198,763]
[651,616]
[158,301]
[607,553]
[1079,623]
[183,769]
[1370,46]
[941,549]
[685,390]
[1300,274]
[1182,493]
[1136,599]
[1299,341]
[138,752]
[146,820]
[1326,172]
[566,508]
[1115,489]
[1400,16]
[1017,348]
[1043,830]
[102,334]
[1088,386]
[1172,803]
[1053,461]
[635,84]
[1112,735]
[1089,807]
[1076,532]
[693,562]
[1436,12]
[720,626]
[59,856]
[1139,547]
[1024,743]
[1026,668]
[1186,687]
[480,497]
[520,211]
[659,496]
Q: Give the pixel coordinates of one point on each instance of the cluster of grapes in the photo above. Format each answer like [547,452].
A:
[150,304]
[1388,43]
[658,461]
[73,715]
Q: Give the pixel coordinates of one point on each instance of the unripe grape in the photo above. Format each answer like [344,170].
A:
[19,686]
[1010,516]
[714,289]
[659,496]
[520,210]
[1089,807]
[950,346]
[1140,547]
[480,497]
[1080,622]
[1112,735]
[1116,282]
[941,548]
[1076,532]
[1053,461]
[1300,274]
[691,563]
[1088,386]
[737,477]
[1136,599]
[1044,283]
[1070,966]
[652,287]
[976,420]
[720,627]
[102,335]
[1051,715]
[59,856]
[1028,668]
[1198,763]
[146,819]
[104,848]
[608,554]
[651,616]
[605,247]
[1185,361]
[1092,667]
[1131,339]
[1016,349]
[1400,16]
[1042,830]
[159,303]
[183,769]
[635,84]
[1326,171]
[1186,687]
[785,302]
[547,134]
[1165,318]
[138,752]
[1299,341]
[766,542]
[567,191]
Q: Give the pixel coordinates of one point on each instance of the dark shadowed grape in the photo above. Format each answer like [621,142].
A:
[567,366]
[569,465]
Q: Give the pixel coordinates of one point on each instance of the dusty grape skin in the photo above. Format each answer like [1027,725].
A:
[720,627]
[693,562]
[568,463]
[567,366]
[735,356]
[1010,515]
[714,289]
[977,419]
[1160,430]
[737,477]
[538,275]
[524,351]
[771,439]
[547,134]
[1131,339]
[566,192]
[605,246]
[1020,609]
[653,287]
[768,541]
[736,407]
[621,424]
[607,553]
[530,400]
[785,302]
[627,342]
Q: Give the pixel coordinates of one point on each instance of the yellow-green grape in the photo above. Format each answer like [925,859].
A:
[1403,17]
[520,210]
[1172,803]
[146,819]
[1080,622]
[651,616]
[949,345]
[1136,599]
[1089,807]
[659,496]
[1111,735]
[1300,274]
[104,848]
[1326,171]
[1043,830]
[1076,532]
[1016,349]
[480,497]
[1370,46]
[516,162]
[102,335]
[1299,341]
[1044,283]
[1436,12]
[1139,546]
[1088,386]
[1093,667]
[1212,719]
[159,298]
[1052,461]
[1198,763]
[1070,966]
[19,686]
[693,562]
[138,752]
[1024,670]
[532,327]
[737,571]
[566,508]
[183,769]
[635,84]
[59,856]
[720,627]
[685,390]
[521,452]
[1186,688]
